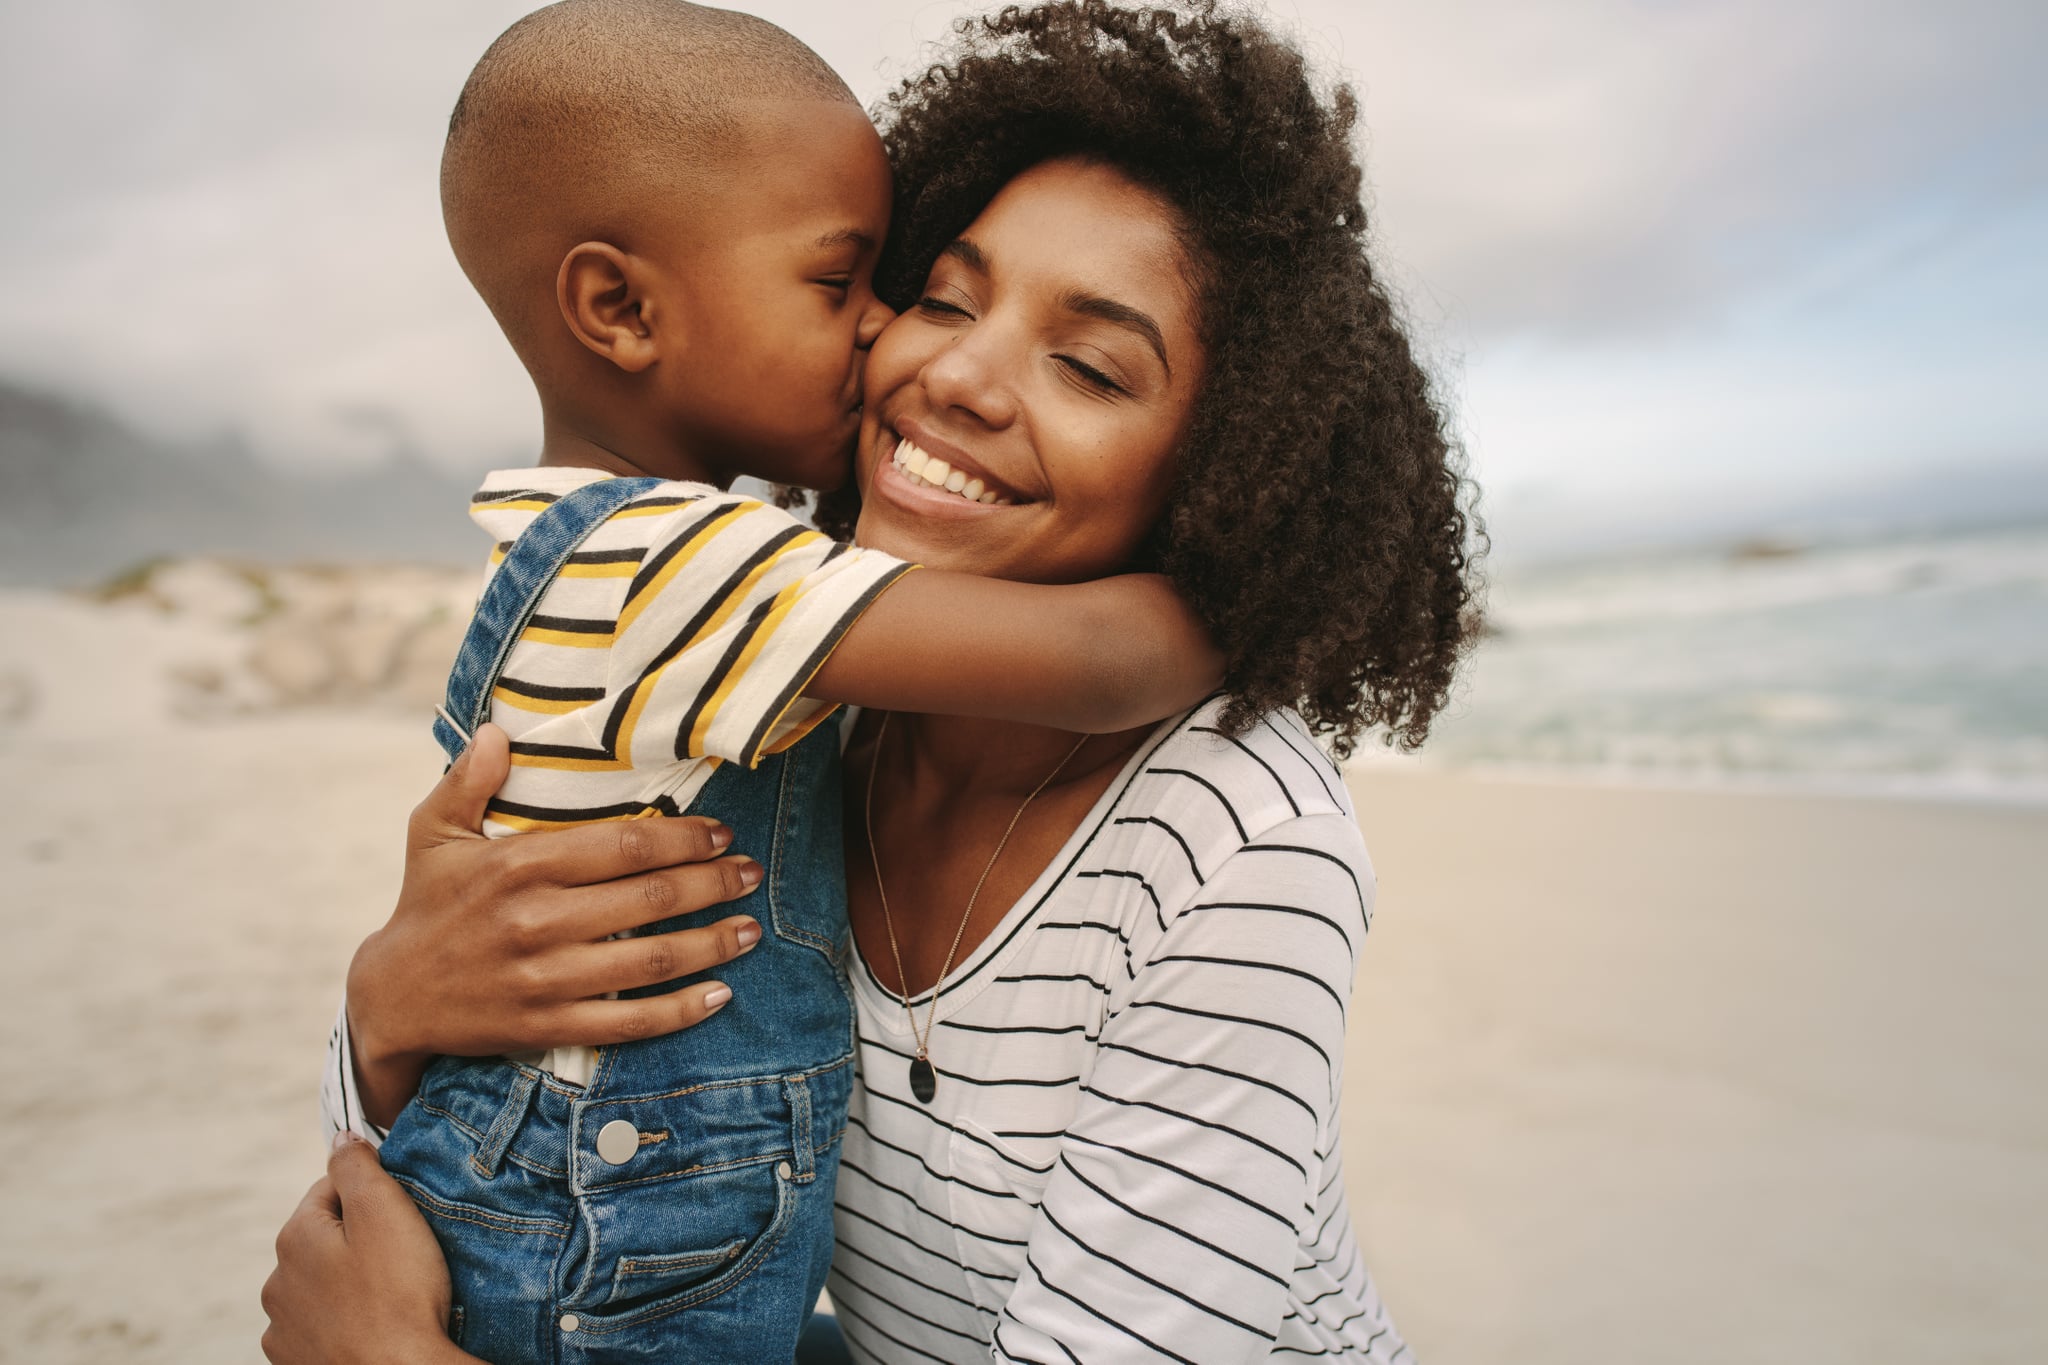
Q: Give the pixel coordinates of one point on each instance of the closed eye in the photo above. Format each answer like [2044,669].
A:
[1089,374]
[937,305]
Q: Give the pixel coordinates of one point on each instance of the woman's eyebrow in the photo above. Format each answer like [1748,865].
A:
[967,253]
[1120,315]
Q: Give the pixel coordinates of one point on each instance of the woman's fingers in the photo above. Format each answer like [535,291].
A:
[359,1275]
[594,912]
[627,964]
[601,1022]
[607,851]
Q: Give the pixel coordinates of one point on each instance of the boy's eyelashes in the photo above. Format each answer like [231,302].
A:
[931,304]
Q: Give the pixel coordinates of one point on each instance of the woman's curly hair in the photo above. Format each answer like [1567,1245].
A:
[1316,522]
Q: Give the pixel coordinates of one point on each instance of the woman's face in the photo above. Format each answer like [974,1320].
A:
[1052,362]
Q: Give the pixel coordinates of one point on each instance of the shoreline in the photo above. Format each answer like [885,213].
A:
[1932,789]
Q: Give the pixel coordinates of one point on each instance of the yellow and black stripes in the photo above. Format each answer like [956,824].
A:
[526,817]
[681,633]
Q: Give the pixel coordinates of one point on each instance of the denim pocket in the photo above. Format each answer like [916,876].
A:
[434,1155]
[689,1241]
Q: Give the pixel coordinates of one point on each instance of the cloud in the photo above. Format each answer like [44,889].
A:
[1609,167]
[224,214]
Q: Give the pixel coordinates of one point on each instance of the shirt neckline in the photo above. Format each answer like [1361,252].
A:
[967,978]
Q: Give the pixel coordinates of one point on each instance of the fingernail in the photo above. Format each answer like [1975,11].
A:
[750,873]
[343,1138]
[749,934]
[721,837]
[717,996]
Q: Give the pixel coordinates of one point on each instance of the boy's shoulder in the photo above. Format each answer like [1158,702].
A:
[509,499]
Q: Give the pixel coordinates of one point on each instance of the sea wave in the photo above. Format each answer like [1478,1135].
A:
[1914,667]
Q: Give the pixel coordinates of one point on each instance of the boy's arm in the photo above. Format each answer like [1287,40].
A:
[1087,657]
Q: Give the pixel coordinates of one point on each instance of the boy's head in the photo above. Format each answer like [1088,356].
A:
[674,213]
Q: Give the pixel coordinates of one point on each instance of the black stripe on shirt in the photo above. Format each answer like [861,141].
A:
[1214,791]
[572,625]
[1253,754]
[544,692]
[1187,852]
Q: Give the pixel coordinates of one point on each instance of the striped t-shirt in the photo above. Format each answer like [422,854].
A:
[1133,1154]
[679,636]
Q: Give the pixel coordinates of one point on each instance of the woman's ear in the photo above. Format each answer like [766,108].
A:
[603,295]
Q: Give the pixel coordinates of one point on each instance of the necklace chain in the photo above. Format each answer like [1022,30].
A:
[931,1013]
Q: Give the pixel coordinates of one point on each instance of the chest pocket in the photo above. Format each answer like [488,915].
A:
[994,1199]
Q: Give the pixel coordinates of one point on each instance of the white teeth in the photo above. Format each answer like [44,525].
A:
[927,471]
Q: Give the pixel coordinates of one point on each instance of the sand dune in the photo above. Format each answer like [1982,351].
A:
[1634,1077]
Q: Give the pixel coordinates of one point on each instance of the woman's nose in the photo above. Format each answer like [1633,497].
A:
[967,376]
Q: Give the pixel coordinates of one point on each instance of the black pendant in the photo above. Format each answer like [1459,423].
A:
[924,1082]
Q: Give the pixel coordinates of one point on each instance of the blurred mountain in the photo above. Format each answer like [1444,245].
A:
[83,494]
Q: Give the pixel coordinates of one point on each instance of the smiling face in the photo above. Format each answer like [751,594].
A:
[1022,419]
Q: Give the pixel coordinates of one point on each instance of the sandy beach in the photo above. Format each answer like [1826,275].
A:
[1634,1076]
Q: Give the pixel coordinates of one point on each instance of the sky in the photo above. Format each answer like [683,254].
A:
[1653,250]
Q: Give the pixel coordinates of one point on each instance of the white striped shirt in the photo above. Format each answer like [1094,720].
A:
[1133,1154]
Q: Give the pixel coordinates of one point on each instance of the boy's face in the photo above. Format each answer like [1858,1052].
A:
[771,283]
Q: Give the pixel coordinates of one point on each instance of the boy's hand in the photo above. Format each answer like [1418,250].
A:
[501,945]
[359,1277]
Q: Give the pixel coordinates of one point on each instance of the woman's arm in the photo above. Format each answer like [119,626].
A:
[359,1278]
[1187,1181]
[499,945]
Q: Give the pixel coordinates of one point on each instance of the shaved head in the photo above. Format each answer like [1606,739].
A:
[596,119]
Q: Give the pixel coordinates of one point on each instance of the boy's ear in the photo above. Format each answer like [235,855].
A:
[603,296]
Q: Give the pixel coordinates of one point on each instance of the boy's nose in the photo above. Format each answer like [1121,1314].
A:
[873,320]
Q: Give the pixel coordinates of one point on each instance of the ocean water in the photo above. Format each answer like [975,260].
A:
[1915,666]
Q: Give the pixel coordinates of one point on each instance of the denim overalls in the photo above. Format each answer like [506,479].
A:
[679,1208]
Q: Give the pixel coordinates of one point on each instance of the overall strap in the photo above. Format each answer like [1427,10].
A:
[507,604]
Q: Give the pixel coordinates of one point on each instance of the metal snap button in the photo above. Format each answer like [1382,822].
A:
[570,1322]
[616,1143]
[783,1170]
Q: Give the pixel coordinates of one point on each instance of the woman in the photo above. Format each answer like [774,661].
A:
[1101,981]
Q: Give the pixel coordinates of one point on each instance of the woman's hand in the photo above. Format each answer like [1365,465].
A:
[501,945]
[359,1277]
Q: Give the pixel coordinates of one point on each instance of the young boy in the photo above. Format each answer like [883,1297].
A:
[674,214]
